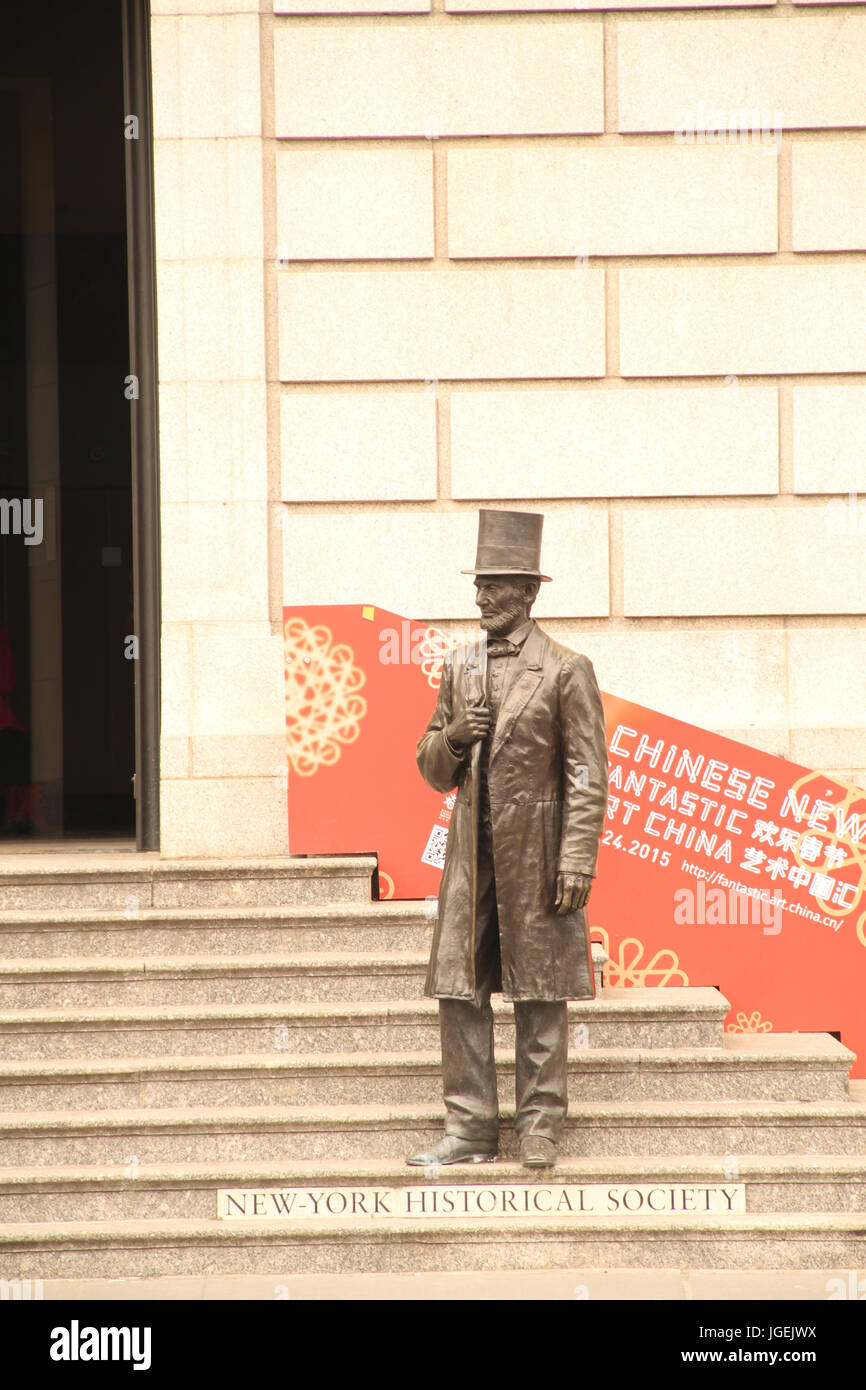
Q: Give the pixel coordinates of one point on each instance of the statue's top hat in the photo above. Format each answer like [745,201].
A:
[509,543]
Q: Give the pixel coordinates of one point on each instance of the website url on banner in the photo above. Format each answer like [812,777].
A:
[745,891]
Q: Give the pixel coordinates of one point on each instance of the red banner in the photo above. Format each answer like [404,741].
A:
[719,865]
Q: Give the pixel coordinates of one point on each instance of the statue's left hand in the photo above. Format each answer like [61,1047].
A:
[572,892]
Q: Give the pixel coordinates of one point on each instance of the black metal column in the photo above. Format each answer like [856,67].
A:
[143,412]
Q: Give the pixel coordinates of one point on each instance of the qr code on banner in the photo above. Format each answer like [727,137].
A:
[434,854]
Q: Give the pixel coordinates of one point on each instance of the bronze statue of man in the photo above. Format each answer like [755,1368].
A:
[519,730]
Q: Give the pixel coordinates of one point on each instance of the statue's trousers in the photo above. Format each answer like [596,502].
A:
[541,1026]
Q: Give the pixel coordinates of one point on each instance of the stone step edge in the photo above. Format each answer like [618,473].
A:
[398,1117]
[289,914]
[796,1053]
[69,1234]
[626,1003]
[121,866]
[50,969]
[698,1168]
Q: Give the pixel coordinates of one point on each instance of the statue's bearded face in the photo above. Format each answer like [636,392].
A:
[504,602]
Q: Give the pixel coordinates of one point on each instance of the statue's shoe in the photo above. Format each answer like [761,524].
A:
[453,1150]
[536,1152]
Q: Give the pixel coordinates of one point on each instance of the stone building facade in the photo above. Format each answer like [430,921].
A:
[417,256]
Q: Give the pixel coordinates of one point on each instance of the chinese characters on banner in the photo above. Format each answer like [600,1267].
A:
[719,864]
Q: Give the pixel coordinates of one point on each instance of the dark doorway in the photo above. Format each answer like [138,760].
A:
[68,653]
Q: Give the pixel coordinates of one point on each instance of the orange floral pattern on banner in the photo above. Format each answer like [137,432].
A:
[323,708]
[750,1023]
[624,969]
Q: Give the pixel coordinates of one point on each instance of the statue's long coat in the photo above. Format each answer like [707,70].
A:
[547,780]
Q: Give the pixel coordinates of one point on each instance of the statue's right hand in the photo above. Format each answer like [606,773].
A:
[469,727]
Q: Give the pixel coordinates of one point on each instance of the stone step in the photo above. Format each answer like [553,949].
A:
[616,1018]
[188,1191]
[130,882]
[98,981]
[267,1133]
[199,931]
[782,1066]
[106,1249]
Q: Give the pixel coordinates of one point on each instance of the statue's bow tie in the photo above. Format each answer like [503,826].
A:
[502,648]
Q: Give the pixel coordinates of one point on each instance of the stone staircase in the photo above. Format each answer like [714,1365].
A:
[169,1029]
